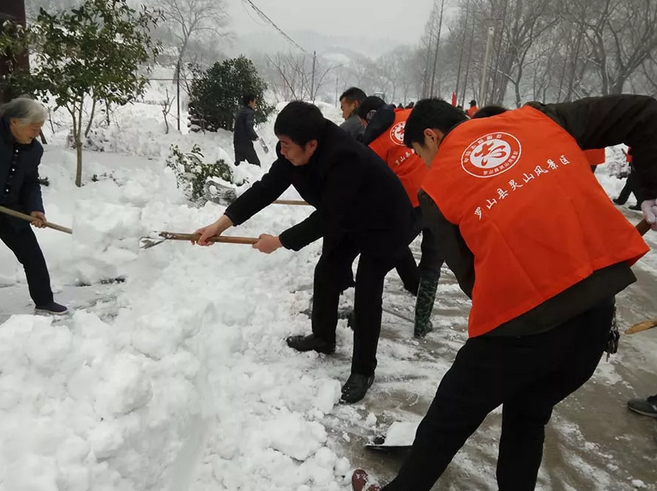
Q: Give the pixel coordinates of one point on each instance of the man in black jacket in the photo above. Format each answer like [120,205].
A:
[20,154]
[361,208]
[244,135]
[533,361]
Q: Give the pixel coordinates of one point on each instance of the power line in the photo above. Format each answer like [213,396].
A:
[264,17]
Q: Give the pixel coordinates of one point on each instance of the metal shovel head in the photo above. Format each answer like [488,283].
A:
[151,241]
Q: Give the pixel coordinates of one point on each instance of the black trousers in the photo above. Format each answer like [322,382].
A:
[24,245]
[330,274]
[630,187]
[245,151]
[528,375]
[430,263]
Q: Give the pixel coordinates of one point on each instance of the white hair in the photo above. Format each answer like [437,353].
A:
[26,110]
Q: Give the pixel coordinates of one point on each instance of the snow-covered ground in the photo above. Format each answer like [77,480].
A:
[178,377]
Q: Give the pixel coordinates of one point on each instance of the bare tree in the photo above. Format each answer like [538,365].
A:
[620,36]
[166,108]
[190,21]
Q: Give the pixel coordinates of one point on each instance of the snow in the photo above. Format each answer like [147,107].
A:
[401,433]
[179,378]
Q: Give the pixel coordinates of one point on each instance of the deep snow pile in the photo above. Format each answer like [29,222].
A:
[186,383]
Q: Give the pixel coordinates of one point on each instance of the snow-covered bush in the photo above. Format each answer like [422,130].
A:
[216,94]
[192,172]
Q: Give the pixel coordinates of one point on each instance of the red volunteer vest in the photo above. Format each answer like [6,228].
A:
[595,156]
[530,210]
[402,160]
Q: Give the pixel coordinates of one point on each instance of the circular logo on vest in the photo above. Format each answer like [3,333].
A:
[491,155]
[397,133]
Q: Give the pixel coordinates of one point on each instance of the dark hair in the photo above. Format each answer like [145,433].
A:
[433,114]
[369,104]
[411,105]
[353,94]
[473,103]
[301,122]
[248,98]
[488,111]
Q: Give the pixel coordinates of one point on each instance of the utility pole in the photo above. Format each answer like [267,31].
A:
[312,83]
[484,75]
[178,93]
[337,102]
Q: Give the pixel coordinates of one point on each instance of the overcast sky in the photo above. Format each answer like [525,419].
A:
[402,20]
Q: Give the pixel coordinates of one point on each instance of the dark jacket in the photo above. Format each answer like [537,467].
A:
[380,122]
[244,134]
[24,192]
[355,194]
[595,122]
[353,126]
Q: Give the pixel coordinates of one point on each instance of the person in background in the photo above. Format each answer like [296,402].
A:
[631,187]
[411,105]
[349,102]
[360,208]
[384,133]
[460,108]
[542,278]
[473,108]
[645,407]
[21,121]
[244,134]
[488,111]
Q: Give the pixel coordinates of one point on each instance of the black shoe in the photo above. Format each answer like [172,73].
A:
[645,407]
[356,387]
[310,343]
[618,202]
[52,308]
[636,207]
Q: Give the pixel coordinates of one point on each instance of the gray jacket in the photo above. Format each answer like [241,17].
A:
[353,126]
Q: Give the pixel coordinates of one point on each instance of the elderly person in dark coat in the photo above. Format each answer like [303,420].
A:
[20,154]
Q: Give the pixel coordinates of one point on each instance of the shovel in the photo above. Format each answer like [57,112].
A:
[642,227]
[158,237]
[28,218]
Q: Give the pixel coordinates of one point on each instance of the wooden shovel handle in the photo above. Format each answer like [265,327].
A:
[28,218]
[643,227]
[642,326]
[294,202]
[223,239]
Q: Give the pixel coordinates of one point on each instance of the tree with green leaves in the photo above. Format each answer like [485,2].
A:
[216,94]
[85,56]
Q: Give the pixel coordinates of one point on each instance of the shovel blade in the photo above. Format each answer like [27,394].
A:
[148,242]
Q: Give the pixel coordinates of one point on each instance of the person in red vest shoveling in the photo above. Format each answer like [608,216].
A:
[541,250]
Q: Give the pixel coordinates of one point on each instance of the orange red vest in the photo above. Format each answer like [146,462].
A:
[529,208]
[595,156]
[472,110]
[404,162]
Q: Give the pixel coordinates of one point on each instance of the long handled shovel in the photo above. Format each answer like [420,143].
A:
[293,202]
[642,227]
[159,237]
[28,218]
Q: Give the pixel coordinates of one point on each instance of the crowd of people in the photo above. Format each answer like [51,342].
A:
[542,279]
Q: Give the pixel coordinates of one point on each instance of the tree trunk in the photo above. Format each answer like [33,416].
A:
[78,153]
